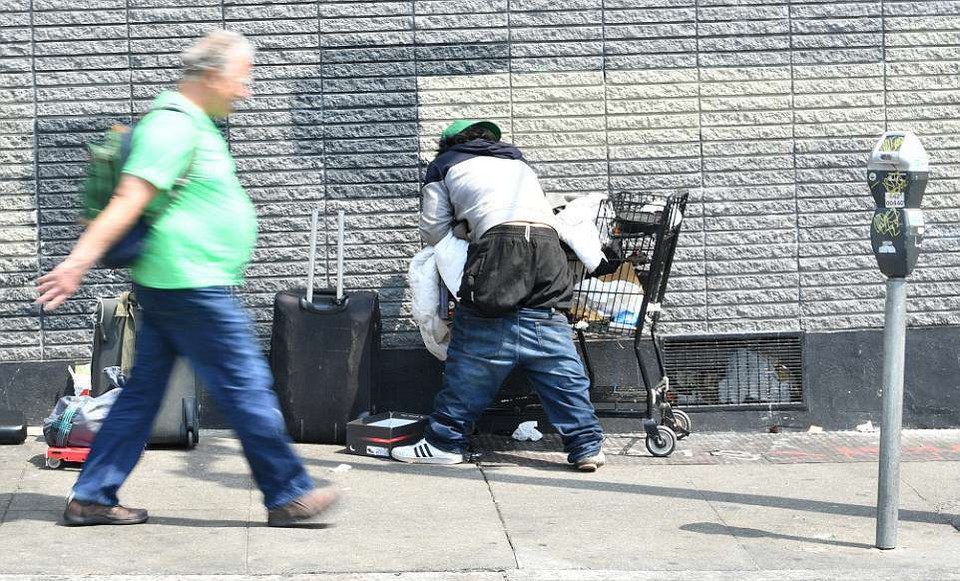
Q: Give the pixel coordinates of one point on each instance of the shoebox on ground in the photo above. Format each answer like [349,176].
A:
[376,435]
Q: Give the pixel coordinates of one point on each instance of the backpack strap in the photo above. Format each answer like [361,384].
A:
[126,310]
[183,179]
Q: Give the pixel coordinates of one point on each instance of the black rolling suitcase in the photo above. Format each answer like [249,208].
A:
[114,344]
[324,354]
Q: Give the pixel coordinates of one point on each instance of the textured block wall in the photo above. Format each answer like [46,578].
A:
[763,110]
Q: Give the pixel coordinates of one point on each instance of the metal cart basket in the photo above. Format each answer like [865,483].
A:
[641,230]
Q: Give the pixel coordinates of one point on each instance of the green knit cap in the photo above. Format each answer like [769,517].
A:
[464,124]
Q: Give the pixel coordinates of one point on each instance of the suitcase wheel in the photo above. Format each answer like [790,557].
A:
[190,422]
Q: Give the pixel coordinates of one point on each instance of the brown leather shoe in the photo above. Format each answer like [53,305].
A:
[84,514]
[304,511]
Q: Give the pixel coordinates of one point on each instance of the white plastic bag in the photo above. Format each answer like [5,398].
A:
[750,376]
[576,225]
[618,300]
[451,257]
[80,375]
[424,280]
[527,431]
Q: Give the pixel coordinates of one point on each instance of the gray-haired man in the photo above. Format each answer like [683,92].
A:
[194,254]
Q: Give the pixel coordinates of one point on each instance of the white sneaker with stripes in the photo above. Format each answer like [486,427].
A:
[425,453]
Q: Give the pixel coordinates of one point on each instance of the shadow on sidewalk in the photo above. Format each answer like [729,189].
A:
[711,528]
[199,469]
[591,483]
[587,483]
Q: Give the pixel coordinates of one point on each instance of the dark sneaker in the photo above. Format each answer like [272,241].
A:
[304,511]
[591,463]
[85,514]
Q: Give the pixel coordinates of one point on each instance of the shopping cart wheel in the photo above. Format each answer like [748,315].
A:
[53,463]
[682,423]
[663,443]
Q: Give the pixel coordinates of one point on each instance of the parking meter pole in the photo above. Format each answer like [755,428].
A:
[897,174]
[894,339]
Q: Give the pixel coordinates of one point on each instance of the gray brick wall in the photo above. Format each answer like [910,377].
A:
[763,110]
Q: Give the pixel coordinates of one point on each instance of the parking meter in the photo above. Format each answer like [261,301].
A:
[897,175]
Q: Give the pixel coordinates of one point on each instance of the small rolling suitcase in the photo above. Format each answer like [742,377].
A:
[114,344]
[324,354]
[178,421]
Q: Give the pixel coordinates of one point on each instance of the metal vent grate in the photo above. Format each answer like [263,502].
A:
[760,370]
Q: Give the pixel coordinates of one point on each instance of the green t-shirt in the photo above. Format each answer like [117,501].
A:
[202,232]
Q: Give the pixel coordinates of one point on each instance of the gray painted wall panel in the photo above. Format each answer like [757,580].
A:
[762,110]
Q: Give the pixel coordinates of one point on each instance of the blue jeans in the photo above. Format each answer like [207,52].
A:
[483,351]
[210,328]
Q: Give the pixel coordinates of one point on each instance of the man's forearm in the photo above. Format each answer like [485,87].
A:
[125,207]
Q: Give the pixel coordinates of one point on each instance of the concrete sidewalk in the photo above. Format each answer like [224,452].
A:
[724,507]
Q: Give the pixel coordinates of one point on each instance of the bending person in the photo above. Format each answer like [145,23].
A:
[515,282]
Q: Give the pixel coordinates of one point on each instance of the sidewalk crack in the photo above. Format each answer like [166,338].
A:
[503,523]
[13,496]
[723,522]
[936,506]
[246,542]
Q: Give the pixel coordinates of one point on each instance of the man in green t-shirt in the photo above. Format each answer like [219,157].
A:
[201,236]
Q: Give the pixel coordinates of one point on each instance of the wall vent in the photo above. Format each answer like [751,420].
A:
[735,371]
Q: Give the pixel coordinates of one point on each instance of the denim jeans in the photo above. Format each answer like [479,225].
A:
[483,351]
[211,329]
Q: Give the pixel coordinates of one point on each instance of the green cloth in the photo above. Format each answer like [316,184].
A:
[202,233]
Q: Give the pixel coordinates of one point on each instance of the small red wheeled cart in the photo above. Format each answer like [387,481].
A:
[56,456]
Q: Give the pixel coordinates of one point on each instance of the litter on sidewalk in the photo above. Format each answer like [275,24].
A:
[527,431]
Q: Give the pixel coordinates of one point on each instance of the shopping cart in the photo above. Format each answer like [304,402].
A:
[641,230]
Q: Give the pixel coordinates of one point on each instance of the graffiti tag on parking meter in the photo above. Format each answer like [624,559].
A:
[894,185]
[892,143]
[887,223]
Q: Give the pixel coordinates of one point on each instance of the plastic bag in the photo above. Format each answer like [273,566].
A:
[424,280]
[115,377]
[751,377]
[451,258]
[80,379]
[75,420]
[576,225]
[527,431]
[618,300]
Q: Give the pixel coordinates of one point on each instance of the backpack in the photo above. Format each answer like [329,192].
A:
[107,159]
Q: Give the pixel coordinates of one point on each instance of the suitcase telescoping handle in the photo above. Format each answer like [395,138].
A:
[335,303]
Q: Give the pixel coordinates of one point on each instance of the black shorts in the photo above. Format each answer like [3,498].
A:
[515,267]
